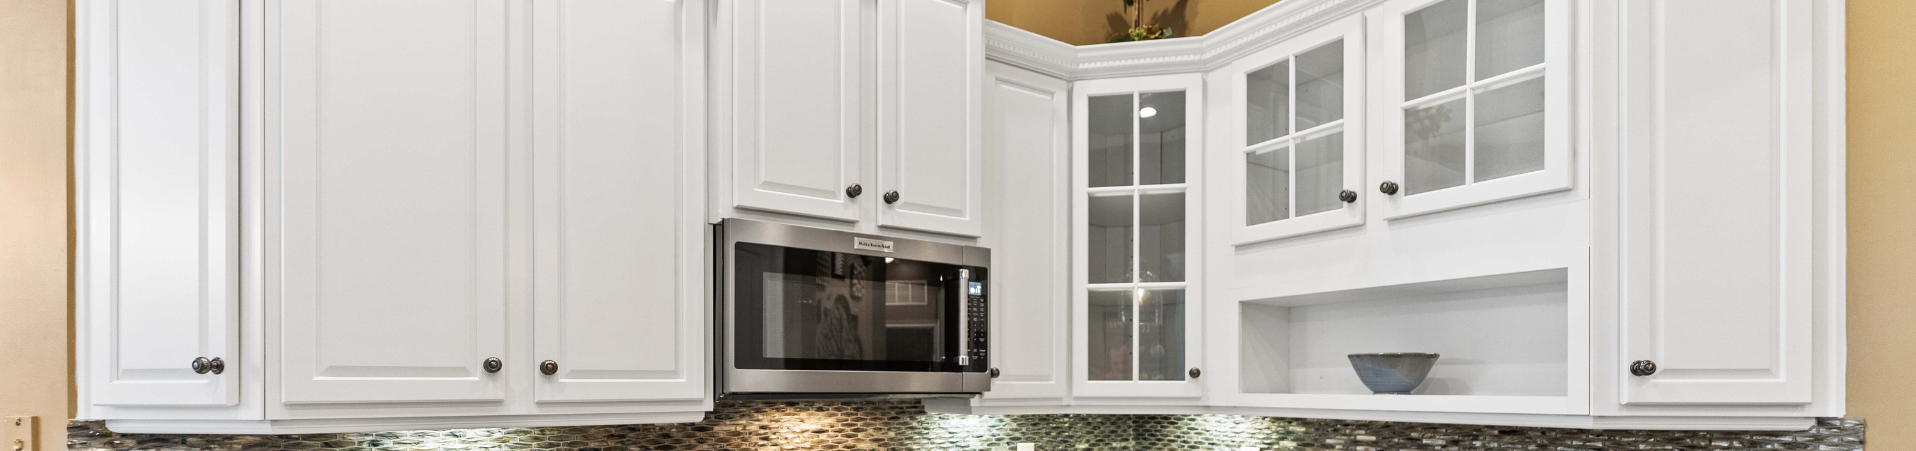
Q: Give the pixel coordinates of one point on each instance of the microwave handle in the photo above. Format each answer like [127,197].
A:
[964,318]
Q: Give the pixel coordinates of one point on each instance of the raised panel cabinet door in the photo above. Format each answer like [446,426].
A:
[1137,191]
[1027,132]
[1474,102]
[618,173]
[392,153]
[931,60]
[1716,201]
[791,107]
[1297,119]
[158,202]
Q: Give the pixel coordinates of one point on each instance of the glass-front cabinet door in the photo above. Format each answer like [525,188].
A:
[1296,142]
[1136,157]
[1479,108]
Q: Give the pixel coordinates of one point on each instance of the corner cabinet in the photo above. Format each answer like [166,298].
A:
[496,223]
[869,122]
[1531,189]
[1136,216]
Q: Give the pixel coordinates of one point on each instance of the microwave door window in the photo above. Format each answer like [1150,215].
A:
[813,310]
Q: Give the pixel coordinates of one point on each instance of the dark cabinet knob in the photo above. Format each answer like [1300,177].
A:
[994,373]
[493,365]
[1643,368]
[216,366]
[1347,196]
[1194,373]
[891,197]
[202,365]
[854,190]
[549,367]
[1388,188]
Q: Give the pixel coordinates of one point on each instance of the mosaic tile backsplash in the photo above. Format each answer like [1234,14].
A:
[904,425]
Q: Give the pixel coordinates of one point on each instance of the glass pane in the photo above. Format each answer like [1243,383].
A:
[1434,42]
[1509,36]
[1161,132]
[1434,147]
[1267,103]
[1268,196]
[1108,346]
[1510,130]
[1109,140]
[1320,174]
[1161,335]
[817,310]
[1108,243]
[1161,237]
[1320,86]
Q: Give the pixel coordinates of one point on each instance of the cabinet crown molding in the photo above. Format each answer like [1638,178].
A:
[1273,24]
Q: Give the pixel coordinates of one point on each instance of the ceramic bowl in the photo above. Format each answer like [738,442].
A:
[1393,373]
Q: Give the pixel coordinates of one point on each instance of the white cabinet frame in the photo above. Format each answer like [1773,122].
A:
[1234,147]
[1193,188]
[1559,112]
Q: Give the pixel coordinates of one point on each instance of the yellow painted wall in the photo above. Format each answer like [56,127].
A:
[34,290]
[1084,22]
[1882,220]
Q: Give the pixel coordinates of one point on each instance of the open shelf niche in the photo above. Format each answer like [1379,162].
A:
[1499,336]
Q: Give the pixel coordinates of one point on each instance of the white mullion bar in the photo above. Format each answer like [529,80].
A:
[1160,189]
[1319,130]
[1137,226]
[1110,191]
[1120,286]
[1440,97]
[1290,168]
[1470,98]
[1509,78]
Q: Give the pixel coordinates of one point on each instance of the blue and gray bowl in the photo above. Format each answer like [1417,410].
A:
[1393,373]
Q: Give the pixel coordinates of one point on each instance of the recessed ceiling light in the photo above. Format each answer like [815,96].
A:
[1147,112]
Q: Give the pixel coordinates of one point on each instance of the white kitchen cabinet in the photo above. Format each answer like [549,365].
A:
[1476,103]
[1717,289]
[930,62]
[394,214]
[1302,134]
[871,122]
[1136,222]
[393,151]
[1027,132]
[619,298]
[158,198]
[791,103]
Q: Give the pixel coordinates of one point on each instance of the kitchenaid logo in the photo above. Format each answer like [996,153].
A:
[871,244]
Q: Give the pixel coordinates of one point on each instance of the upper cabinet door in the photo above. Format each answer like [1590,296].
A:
[158,181]
[790,107]
[1476,107]
[1716,284]
[392,153]
[618,195]
[1136,215]
[931,58]
[1027,134]
[1297,121]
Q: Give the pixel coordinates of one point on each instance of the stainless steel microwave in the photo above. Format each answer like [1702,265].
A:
[815,312]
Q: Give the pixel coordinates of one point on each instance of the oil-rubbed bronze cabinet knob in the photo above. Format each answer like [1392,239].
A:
[202,366]
[854,190]
[994,373]
[549,367]
[493,365]
[1388,188]
[1194,373]
[1347,196]
[1643,368]
[216,365]
[891,197]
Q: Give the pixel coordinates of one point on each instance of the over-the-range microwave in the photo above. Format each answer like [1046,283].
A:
[806,312]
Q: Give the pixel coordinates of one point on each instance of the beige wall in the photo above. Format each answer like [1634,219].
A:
[1084,22]
[33,215]
[1882,220]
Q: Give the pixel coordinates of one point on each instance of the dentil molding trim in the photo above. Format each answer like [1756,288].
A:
[1273,24]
